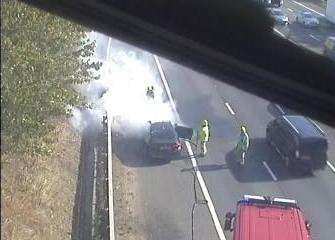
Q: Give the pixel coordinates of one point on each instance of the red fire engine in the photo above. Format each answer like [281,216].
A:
[265,218]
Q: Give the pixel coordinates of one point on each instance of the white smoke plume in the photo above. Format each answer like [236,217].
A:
[121,91]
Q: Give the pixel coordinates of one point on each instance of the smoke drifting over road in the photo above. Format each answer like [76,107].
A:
[121,91]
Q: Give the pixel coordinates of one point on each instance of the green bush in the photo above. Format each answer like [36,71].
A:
[42,57]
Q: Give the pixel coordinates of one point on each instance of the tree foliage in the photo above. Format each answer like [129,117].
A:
[42,57]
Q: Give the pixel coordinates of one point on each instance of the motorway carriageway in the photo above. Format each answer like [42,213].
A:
[311,38]
[165,189]
[227,108]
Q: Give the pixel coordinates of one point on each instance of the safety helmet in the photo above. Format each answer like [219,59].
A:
[205,123]
[243,129]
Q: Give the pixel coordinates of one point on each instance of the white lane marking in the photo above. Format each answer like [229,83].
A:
[280,33]
[229,108]
[270,171]
[201,181]
[315,38]
[206,193]
[94,201]
[160,69]
[110,177]
[290,9]
[310,9]
[331,166]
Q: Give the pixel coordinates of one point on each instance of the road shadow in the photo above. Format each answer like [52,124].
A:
[132,153]
[82,217]
[254,170]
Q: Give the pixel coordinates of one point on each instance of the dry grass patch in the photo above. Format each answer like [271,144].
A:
[37,193]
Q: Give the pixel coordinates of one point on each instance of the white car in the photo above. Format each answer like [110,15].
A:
[278,15]
[307,19]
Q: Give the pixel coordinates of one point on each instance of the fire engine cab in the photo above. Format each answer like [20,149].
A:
[265,218]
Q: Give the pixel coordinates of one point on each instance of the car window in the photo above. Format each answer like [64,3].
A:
[163,133]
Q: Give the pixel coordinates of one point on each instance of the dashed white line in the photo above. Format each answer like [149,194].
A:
[290,9]
[280,33]
[315,38]
[331,166]
[201,180]
[230,108]
[310,9]
[270,171]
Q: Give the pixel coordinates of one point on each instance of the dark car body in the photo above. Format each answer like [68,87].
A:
[164,139]
[300,142]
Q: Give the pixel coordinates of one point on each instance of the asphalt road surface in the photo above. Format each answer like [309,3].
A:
[227,183]
[310,38]
[166,187]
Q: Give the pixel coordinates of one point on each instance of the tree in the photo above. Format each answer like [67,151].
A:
[42,57]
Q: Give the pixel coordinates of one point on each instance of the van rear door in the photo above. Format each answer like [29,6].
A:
[314,150]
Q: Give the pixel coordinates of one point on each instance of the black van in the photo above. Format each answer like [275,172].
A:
[300,142]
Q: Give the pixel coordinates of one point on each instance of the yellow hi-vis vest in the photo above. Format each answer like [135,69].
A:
[204,134]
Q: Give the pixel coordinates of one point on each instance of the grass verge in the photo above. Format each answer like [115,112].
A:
[37,193]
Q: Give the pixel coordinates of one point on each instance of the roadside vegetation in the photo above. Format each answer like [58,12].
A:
[42,57]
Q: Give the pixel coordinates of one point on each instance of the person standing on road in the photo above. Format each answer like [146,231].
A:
[243,144]
[150,92]
[204,136]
